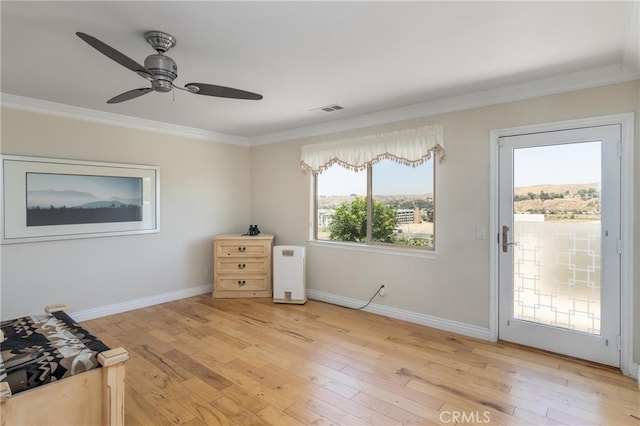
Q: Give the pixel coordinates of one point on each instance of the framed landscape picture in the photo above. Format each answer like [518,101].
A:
[48,199]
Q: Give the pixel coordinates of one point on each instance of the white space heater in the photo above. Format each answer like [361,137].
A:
[289,274]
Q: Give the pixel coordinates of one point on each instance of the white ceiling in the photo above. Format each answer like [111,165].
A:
[382,60]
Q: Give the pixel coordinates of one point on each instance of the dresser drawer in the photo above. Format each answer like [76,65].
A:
[235,265]
[242,249]
[242,283]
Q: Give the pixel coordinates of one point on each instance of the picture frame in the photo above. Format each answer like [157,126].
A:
[46,199]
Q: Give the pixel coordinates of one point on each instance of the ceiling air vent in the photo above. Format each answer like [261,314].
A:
[328,108]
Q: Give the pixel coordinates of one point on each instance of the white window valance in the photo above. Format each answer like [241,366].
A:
[407,146]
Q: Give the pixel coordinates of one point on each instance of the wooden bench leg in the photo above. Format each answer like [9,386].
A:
[49,309]
[113,366]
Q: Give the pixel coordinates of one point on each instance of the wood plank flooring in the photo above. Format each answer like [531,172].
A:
[200,361]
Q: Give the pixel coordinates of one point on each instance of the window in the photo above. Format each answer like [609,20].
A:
[376,188]
[385,203]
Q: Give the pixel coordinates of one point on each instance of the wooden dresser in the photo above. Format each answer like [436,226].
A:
[242,265]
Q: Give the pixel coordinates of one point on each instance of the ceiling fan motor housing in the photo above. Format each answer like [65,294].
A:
[163,69]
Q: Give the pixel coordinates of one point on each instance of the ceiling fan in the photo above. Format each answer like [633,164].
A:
[160,70]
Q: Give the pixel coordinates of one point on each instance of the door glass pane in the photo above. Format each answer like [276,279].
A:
[557,231]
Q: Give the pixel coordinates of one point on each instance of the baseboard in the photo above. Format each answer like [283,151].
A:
[116,308]
[401,314]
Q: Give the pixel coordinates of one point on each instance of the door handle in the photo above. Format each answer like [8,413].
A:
[505,238]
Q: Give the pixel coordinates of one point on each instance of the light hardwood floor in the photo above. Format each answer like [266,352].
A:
[248,361]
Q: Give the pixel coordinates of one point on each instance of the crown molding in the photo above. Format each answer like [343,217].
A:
[52,108]
[595,77]
[586,79]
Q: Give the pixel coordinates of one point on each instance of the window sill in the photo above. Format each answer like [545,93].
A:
[373,248]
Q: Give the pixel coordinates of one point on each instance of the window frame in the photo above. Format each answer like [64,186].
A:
[369,245]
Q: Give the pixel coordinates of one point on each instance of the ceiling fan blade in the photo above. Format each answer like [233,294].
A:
[221,91]
[131,94]
[113,54]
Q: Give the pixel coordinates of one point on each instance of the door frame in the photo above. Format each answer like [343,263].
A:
[627,188]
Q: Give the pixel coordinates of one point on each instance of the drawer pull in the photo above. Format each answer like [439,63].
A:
[241,265]
[242,249]
[241,282]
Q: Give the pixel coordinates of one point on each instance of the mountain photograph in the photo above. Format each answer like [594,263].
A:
[59,199]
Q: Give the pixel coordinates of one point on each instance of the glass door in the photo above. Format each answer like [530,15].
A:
[560,230]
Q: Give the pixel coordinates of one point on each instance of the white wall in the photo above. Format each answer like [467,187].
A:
[204,190]
[453,286]
[208,188]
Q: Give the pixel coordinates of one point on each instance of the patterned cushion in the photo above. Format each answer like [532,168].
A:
[42,348]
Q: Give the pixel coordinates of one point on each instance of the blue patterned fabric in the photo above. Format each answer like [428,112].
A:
[39,349]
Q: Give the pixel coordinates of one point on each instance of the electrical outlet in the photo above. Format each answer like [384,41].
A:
[385,288]
[207,271]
